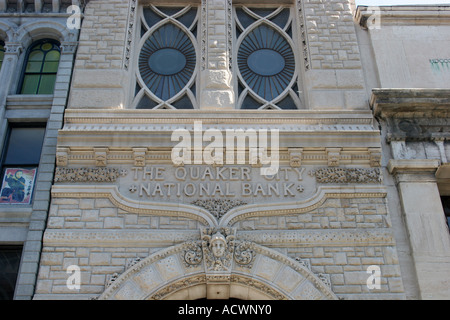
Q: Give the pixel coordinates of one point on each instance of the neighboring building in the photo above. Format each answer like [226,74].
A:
[37,53]
[151,163]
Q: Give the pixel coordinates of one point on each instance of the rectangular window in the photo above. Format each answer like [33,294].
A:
[2,53]
[20,160]
[9,268]
[446,205]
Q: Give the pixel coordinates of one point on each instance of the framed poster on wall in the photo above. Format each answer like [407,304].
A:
[17,186]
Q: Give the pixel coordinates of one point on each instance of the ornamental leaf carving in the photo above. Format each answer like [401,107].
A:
[218,207]
[86,174]
[347,175]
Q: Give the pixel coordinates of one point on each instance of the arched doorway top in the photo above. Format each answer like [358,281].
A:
[218,266]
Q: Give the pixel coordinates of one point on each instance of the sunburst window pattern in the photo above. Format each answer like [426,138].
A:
[267,77]
[266,62]
[167,59]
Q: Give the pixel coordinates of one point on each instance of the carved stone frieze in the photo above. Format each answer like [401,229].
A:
[425,129]
[86,174]
[347,175]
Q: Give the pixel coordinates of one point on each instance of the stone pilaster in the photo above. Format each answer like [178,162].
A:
[425,223]
[217,91]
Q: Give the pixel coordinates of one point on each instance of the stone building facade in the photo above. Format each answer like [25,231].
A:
[236,149]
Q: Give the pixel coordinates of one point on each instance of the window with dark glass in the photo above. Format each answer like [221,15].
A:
[9,268]
[41,66]
[446,205]
[20,160]
[2,53]
[266,63]
[167,62]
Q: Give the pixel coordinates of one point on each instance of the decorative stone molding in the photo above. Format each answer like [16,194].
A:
[62,157]
[100,156]
[334,156]
[218,207]
[295,157]
[347,175]
[69,47]
[130,33]
[303,35]
[139,156]
[279,238]
[110,279]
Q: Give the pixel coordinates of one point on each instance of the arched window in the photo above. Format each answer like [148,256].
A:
[2,53]
[41,66]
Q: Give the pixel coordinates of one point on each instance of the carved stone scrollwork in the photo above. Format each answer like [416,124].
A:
[243,254]
[192,256]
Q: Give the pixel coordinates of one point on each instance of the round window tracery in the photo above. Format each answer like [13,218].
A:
[167,61]
[266,62]
[166,72]
[267,75]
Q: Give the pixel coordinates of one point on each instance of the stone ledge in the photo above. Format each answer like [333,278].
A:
[416,165]
[406,15]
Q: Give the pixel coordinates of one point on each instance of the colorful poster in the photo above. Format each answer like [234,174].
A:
[17,186]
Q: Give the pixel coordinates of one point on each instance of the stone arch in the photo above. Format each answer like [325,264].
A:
[38,30]
[181,272]
[7,30]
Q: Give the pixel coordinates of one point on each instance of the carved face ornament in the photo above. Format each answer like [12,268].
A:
[218,245]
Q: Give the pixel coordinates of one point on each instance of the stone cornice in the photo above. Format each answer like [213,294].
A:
[123,127]
[135,116]
[413,114]
[410,103]
[38,7]
[405,15]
